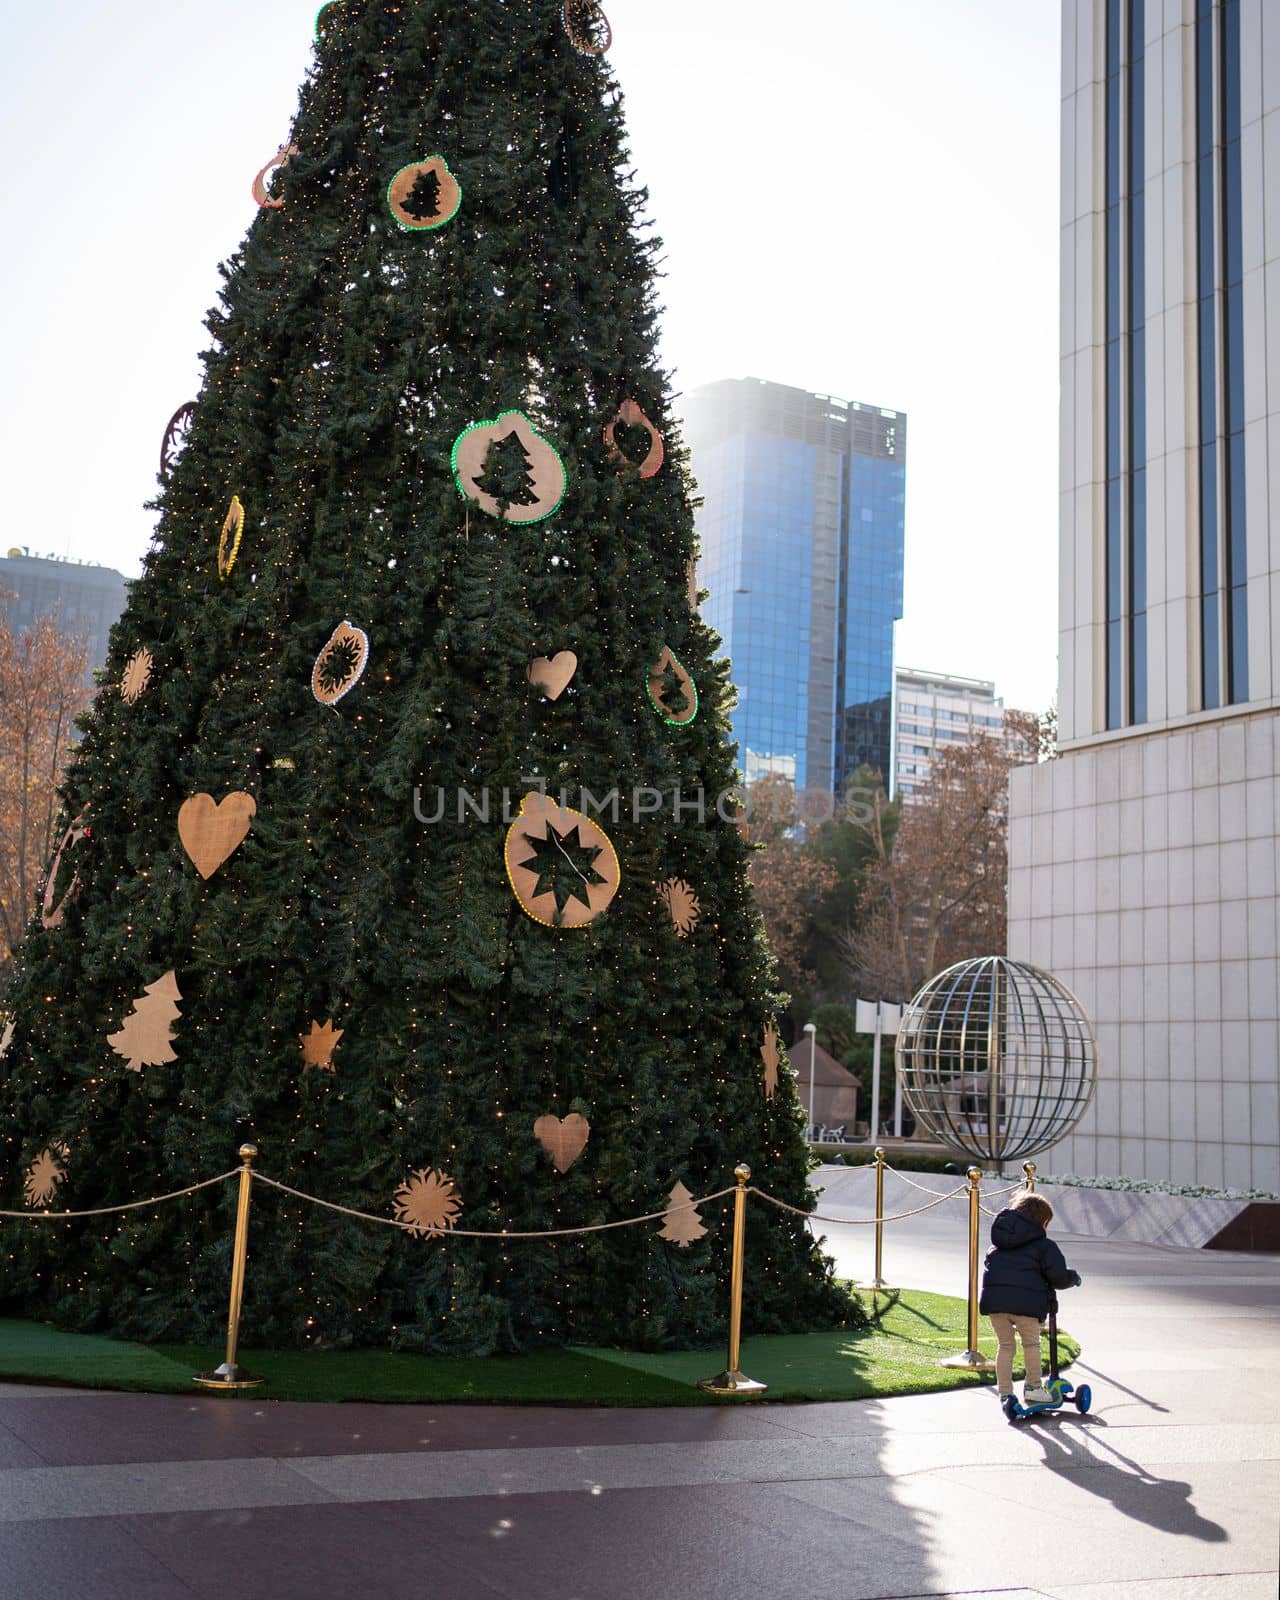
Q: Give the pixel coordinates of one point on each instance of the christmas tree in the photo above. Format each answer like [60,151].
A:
[421,578]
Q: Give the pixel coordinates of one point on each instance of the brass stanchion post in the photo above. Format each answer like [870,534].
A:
[731,1380]
[878,1282]
[230,1375]
[1029,1172]
[972,1358]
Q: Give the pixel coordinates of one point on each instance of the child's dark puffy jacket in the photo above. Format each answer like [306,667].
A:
[1022,1268]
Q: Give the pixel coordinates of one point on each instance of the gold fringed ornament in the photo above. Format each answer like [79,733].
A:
[266,200]
[681,1226]
[212,831]
[428,1203]
[553,674]
[146,1038]
[229,542]
[630,414]
[564,1141]
[6,1036]
[424,195]
[562,867]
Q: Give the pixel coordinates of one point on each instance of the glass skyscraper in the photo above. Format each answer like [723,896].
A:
[802,537]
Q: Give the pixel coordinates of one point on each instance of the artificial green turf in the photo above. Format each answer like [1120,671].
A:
[898,1354]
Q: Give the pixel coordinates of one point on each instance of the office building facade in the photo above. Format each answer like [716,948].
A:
[84,600]
[1143,861]
[933,711]
[801,530]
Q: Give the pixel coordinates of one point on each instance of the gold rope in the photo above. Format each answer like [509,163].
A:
[110,1211]
[469,1233]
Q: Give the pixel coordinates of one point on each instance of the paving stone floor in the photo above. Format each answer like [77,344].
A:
[1170,1490]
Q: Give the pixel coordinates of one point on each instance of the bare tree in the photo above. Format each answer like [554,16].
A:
[788,881]
[43,686]
[936,892]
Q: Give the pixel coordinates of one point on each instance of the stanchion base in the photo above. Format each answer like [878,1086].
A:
[732,1383]
[972,1360]
[229,1376]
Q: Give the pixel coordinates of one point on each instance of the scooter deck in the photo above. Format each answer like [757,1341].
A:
[1082,1398]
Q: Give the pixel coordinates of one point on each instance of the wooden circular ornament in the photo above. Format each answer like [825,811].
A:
[51,915]
[266,200]
[424,195]
[543,822]
[340,665]
[587,26]
[669,661]
[630,414]
[548,481]
[175,436]
[232,533]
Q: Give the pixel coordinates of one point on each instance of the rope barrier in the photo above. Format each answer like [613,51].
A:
[471,1233]
[938,1197]
[111,1211]
[923,1188]
[817,1216]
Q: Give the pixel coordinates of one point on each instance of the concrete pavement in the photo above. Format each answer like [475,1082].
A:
[1170,1490]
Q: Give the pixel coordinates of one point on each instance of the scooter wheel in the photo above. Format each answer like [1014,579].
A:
[1010,1408]
[1084,1398]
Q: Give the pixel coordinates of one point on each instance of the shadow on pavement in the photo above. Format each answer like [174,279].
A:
[1114,1383]
[1163,1503]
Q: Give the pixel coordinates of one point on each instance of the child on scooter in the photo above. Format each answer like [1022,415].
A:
[1021,1271]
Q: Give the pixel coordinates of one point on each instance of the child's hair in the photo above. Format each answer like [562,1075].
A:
[1036,1207]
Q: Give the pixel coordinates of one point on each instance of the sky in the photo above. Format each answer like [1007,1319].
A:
[857,197]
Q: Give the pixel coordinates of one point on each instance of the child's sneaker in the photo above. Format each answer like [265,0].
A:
[1038,1396]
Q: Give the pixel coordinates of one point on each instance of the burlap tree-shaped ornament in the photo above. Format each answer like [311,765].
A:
[146,1038]
[682,1226]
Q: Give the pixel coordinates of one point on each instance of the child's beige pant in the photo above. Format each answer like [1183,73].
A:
[1028,1330]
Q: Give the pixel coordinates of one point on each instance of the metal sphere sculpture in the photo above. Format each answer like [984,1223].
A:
[997,1059]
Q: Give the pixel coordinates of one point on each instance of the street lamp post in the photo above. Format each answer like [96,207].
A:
[811,1028]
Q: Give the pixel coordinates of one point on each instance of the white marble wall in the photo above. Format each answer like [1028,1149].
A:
[1143,874]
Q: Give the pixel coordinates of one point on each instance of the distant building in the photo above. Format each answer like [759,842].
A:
[802,539]
[83,599]
[933,710]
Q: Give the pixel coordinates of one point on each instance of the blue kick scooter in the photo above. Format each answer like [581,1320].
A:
[1060,1391]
